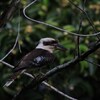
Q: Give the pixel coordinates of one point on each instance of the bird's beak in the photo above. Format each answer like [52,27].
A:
[60,47]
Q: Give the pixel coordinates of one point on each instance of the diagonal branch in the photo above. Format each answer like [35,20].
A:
[45,83]
[59,68]
[69,64]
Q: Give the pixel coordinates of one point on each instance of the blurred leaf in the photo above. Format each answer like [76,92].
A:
[46,2]
[83,47]
[84,66]
[69,28]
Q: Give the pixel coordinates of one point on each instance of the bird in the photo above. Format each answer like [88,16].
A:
[42,55]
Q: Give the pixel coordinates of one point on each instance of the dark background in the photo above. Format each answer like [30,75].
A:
[83,81]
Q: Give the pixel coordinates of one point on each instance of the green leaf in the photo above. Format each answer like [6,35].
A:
[83,47]
[69,28]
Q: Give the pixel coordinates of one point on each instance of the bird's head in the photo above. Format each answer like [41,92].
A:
[50,45]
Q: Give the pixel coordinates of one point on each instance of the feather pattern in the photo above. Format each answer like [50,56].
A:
[36,58]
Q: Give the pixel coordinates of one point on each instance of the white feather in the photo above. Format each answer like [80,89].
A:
[48,48]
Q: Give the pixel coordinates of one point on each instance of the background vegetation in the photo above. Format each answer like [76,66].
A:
[83,81]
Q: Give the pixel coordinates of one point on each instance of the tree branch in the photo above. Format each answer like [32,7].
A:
[79,29]
[12,48]
[45,83]
[52,26]
[7,14]
[88,18]
[61,67]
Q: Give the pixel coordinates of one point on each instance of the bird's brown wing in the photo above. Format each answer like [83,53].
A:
[34,59]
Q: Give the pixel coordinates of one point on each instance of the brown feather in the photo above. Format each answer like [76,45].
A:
[30,60]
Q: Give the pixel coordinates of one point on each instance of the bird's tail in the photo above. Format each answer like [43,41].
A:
[12,78]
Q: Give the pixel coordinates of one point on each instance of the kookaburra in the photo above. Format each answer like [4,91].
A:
[39,57]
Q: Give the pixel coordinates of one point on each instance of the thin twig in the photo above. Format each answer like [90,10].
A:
[12,48]
[56,90]
[92,63]
[88,18]
[7,64]
[80,25]
[60,29]
[53,88]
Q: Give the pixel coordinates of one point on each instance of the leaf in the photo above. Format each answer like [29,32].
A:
[84,66]
[69,28]
[83,47]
